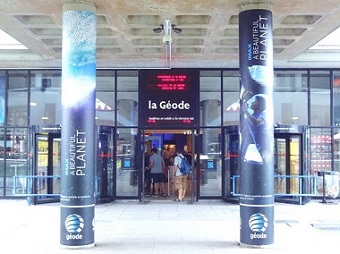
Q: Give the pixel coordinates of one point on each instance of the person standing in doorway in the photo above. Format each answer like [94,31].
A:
[180,179]
[157,167]
[166,155]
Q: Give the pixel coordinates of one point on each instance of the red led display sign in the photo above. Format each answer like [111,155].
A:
[168,98]
[167,82]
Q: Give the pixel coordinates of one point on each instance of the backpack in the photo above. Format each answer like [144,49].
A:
[185,166]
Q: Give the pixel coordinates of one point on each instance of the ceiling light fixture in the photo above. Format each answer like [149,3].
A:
[329,42]
[8,42]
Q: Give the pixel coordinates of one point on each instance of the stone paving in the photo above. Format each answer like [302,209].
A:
[207,226]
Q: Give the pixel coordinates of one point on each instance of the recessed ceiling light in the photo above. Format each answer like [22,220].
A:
[331,41]
[8,42]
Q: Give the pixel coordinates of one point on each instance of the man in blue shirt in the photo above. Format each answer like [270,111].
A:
[157,167]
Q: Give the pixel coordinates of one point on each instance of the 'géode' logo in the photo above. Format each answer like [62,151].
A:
[258,224]
[74,224]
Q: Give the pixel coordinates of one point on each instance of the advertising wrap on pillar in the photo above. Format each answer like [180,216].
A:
[77,194]
[256,127]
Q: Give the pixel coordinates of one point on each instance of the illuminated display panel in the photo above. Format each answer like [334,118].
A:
[167,82]
[168,98]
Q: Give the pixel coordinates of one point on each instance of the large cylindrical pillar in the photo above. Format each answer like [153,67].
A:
[256,124]
[77,193]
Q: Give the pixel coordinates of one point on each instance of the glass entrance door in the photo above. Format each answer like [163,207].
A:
[288,166]
[167,142]
[231,170]
[106,173]
[288,182]
[210,163]
[47,170]
[127,163]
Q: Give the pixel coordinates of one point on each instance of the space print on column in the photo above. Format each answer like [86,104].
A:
[256,127]
[78,141]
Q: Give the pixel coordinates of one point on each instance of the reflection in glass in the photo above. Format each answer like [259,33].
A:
[17,98]
[127,164]
[42,164]
[336,99]
[211,152]
[290,97]
[231,158]
[105,162]
[320,100]
[2,98]
[127,98]
[294,159]
[210,98]
[45,97]
[280,166]
[320,156]
[336,149]
[14,149]
[105,96]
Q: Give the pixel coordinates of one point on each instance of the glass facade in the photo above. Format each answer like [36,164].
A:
[336,98]
[127,98]
[231,94]
[301,97]
[127,160]
[320,160]
[336,149]
[105,97]
[45,97]
[290,97]
[210,98]
[17,98]
[320,98]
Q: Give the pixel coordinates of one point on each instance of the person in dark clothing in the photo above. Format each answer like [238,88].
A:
[188,156]
[147,173]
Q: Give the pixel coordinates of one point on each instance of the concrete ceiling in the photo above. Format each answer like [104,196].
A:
[209,38]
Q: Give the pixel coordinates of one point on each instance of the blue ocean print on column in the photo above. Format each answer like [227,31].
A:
[79,58]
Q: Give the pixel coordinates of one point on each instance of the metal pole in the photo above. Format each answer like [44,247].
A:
[193,168]
[168,180]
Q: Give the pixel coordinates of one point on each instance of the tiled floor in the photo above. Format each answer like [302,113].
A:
[169,227]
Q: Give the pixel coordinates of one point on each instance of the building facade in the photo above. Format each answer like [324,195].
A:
[306,116]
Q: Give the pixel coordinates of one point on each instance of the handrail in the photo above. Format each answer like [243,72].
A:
[28,180]
[313,178]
